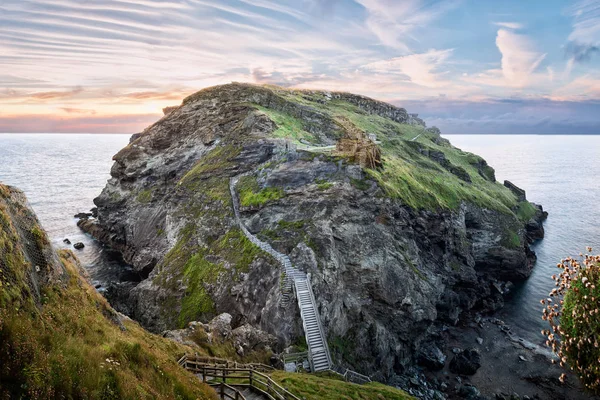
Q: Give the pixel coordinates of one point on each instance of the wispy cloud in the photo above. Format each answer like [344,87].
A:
[420,69]
[584,40]
[61,61]
[393,21]
[509,25]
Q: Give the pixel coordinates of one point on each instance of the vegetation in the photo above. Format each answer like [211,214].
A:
[323,185]
[251,195]
[145,196]
[288,127]
[408,173]
[312,387]
[573,311]
[71,343]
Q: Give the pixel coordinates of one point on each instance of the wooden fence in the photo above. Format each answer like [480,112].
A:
[238,377]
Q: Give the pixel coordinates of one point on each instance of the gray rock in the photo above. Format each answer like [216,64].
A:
[520,193]
[382,272]
[466,362]
[431,356]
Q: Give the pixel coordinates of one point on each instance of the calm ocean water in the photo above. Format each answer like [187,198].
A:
[61,174]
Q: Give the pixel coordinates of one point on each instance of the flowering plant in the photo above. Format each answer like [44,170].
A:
[573,311]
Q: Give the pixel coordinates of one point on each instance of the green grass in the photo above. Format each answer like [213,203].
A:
[251,195]
[407,174]
[145,196]
[312,387]
[288,127]
[68,344]
[525,211]
[323,185]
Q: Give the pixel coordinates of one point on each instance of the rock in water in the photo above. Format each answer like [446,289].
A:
[78,245]
[66,241]
[466,362]
[387,258]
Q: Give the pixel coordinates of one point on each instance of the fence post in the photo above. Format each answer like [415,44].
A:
[224,378]
[250,377]
[203,374]
[222,390]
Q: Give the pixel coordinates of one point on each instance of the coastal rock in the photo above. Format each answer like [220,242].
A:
[382,272]
[520,193]
[466,362]
[82,215]
[431,356]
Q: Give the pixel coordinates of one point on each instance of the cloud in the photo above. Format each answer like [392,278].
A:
[509,25]
[417,68]
[89,124]
[584,40]
[519,58]
[69,110]
[55,95]
[524,116]
[392,21]
[581,52]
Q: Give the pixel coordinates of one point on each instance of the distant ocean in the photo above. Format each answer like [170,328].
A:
[61,174]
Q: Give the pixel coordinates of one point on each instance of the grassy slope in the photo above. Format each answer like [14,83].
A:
[313,387]
[407,174]
[68,345]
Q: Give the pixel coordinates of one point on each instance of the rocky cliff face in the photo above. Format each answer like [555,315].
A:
[391,251]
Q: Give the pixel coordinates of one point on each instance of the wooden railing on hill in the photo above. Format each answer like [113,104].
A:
[228,392]
[226,363]
[238,377]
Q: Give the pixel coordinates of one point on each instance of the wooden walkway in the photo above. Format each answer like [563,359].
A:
[236,383]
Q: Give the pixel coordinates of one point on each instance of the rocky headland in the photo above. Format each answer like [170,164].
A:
[399,242]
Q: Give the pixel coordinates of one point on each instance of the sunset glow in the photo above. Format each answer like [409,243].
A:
[112,65]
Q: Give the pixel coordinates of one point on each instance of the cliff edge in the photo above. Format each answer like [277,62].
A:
[399,230]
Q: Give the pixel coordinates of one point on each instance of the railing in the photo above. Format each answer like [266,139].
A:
[221,389]
[195,359]
[239,377]
[322,332]
[351,376]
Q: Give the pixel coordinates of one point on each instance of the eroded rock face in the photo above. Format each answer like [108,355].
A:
[245,339]
[383,273]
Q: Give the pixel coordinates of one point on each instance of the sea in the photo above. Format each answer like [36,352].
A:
[61,174]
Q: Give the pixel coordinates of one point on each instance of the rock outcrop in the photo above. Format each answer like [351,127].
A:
[391,251]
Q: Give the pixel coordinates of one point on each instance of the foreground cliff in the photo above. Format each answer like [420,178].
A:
[419,234]
[60,339]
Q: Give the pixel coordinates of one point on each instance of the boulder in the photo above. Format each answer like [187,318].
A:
[220,326]
[66,241]
[247,338]
[467,362]
[432,357]
[79,246]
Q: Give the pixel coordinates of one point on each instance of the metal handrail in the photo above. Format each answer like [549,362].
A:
[319,324]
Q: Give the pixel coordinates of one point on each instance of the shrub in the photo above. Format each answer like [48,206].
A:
[572,310]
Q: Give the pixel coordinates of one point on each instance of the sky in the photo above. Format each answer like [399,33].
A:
[466,66]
